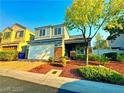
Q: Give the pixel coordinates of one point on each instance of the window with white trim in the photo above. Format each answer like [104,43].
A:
[44,32]
[19,34]
[58,31]
[7,35]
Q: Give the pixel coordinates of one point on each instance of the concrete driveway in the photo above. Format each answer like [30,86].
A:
[17,65]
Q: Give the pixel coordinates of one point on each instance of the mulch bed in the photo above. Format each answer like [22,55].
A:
[117,66]
[70,69]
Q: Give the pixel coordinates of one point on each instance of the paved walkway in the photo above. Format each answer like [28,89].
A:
[62,83]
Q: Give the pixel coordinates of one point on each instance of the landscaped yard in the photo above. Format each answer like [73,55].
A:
[70,69]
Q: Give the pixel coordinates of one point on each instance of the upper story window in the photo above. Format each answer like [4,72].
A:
[42,32]
[58,31]
[7,35]
[19,34]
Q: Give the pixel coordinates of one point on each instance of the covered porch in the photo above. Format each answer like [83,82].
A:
[75,45]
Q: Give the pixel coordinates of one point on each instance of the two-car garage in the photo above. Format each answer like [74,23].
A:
[43,49]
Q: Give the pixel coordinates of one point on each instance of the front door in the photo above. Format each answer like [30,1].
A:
[76,47]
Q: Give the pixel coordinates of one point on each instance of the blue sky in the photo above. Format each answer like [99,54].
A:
[34,13]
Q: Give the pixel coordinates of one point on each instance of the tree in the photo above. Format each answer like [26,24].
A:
[115,28]
[88,16]
[100,42]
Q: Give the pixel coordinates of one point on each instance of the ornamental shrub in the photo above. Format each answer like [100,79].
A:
[51,59]
[64,60]
[104,60]
[79,57]
[8,55]
[94,57]
[101,73]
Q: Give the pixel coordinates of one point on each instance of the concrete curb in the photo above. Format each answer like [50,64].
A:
[69,84]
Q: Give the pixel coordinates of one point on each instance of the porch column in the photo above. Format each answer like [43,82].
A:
[63,48]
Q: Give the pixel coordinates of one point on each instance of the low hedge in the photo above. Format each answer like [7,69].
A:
[100,73]
[8,55]
[111,55]
[120,58]
[92,57]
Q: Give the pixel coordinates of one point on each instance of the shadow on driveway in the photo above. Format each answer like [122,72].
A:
[85,86]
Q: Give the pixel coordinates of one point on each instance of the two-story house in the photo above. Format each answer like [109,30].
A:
[54,41]
[16,37]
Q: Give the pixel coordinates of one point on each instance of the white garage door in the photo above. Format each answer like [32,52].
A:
[41,51]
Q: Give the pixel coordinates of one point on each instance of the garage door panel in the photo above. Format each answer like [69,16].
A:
[41,52]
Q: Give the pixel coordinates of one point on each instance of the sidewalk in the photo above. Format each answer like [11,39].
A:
[74,85]
[23,66]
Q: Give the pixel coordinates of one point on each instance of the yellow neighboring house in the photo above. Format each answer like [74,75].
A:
[16,38]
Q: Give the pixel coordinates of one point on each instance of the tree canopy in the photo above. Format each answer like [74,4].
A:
[115,27]
[88,16]
[100,43]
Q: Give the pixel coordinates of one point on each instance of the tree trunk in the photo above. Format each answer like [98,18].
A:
[86,53]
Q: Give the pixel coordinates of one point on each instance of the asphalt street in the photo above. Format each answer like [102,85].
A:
[11,85]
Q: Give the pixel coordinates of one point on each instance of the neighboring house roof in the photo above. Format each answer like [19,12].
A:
[7,28]
[10,28]
[19,25]
[118,42]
